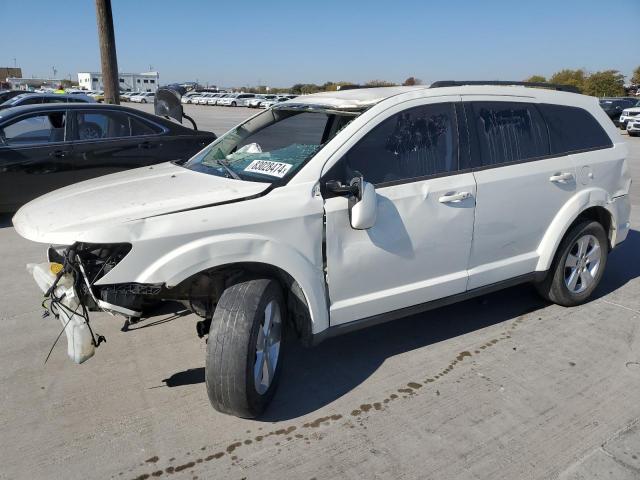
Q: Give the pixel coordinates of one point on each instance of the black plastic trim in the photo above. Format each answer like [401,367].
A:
[460,83]
[341,329]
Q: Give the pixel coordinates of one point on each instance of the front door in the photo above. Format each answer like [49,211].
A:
[418,249]
[35,157]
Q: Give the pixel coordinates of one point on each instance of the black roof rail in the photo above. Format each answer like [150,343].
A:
[551,86]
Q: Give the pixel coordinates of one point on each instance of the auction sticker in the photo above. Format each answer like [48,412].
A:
[267,167]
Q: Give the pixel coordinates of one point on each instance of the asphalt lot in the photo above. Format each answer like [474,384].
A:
[500,387]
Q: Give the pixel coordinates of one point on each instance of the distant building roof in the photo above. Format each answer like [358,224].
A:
[6,72]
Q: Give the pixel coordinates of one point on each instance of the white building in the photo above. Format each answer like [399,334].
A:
[129,82]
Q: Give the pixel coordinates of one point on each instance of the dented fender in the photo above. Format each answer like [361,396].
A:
[169,249]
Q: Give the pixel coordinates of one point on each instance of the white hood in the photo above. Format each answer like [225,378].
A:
[64,215]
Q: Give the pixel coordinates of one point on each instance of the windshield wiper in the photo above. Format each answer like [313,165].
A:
[224,164]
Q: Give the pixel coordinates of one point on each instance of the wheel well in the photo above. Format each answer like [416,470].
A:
[600,215]
[203,290]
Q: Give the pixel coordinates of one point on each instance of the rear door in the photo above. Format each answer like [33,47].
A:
[109,141]
[35,157]
[521,186]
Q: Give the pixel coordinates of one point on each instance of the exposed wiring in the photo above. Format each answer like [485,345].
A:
[55,305]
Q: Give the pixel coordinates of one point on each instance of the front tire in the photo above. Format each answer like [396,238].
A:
[244,348]
[234,104]
[578,267]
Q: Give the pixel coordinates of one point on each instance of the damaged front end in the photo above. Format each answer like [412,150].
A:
[68,282]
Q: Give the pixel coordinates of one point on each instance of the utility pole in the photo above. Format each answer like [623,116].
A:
[108,59]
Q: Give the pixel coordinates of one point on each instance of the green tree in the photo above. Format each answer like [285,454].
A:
[379,83]
[68,83]
[576,78]
[635,79]
[609,83]
[412,81]
[536,79]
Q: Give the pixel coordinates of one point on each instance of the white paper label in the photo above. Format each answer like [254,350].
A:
[267,167]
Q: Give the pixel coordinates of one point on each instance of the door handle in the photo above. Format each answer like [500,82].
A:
[454,197]
[59,153]
[561,177]
[147,145]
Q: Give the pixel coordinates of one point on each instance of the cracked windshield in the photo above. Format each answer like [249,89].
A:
[270,146]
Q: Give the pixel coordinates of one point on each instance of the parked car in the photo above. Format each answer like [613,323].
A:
[216,101]
[614,107]
[236,100]
[213,100]
[40,98]
[339,210]
[126,96]
[629,114]
[188,98]
[271,102]
[143,97]
[256,102]
[9,94]
[44,147]
[205,97]
[633,126]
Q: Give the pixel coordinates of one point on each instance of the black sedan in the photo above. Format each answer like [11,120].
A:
[9,94]
[615,105]
[45,147]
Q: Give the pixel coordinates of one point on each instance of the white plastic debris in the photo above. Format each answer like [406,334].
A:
[80,346]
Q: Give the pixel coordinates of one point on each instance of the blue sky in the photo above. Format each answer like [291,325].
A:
[280,42]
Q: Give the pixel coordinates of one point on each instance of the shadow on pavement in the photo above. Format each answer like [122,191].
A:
[623,265]
[313,378]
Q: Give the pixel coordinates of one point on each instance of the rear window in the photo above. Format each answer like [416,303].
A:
[509,132]
[573,129]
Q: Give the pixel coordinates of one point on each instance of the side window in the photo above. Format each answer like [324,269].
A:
[56,100]
[140,127]
[573,129]
[31,100]
[508,132]
[417,142]
[100,125]
[38,129]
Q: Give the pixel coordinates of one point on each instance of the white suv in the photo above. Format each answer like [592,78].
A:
[339,210]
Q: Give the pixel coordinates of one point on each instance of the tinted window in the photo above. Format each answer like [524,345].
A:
[417,142]
[140,127]
[508,132]
[29,101]
[37,129]
[573,129]
[57,99]
[100,125]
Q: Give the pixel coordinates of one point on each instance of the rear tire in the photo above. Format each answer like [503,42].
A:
[578,266]
[244,349]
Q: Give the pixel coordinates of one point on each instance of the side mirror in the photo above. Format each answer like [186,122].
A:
[363,210]
[362,201]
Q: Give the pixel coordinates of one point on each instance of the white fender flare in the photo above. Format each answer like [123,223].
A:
[593,197]
[220,250]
